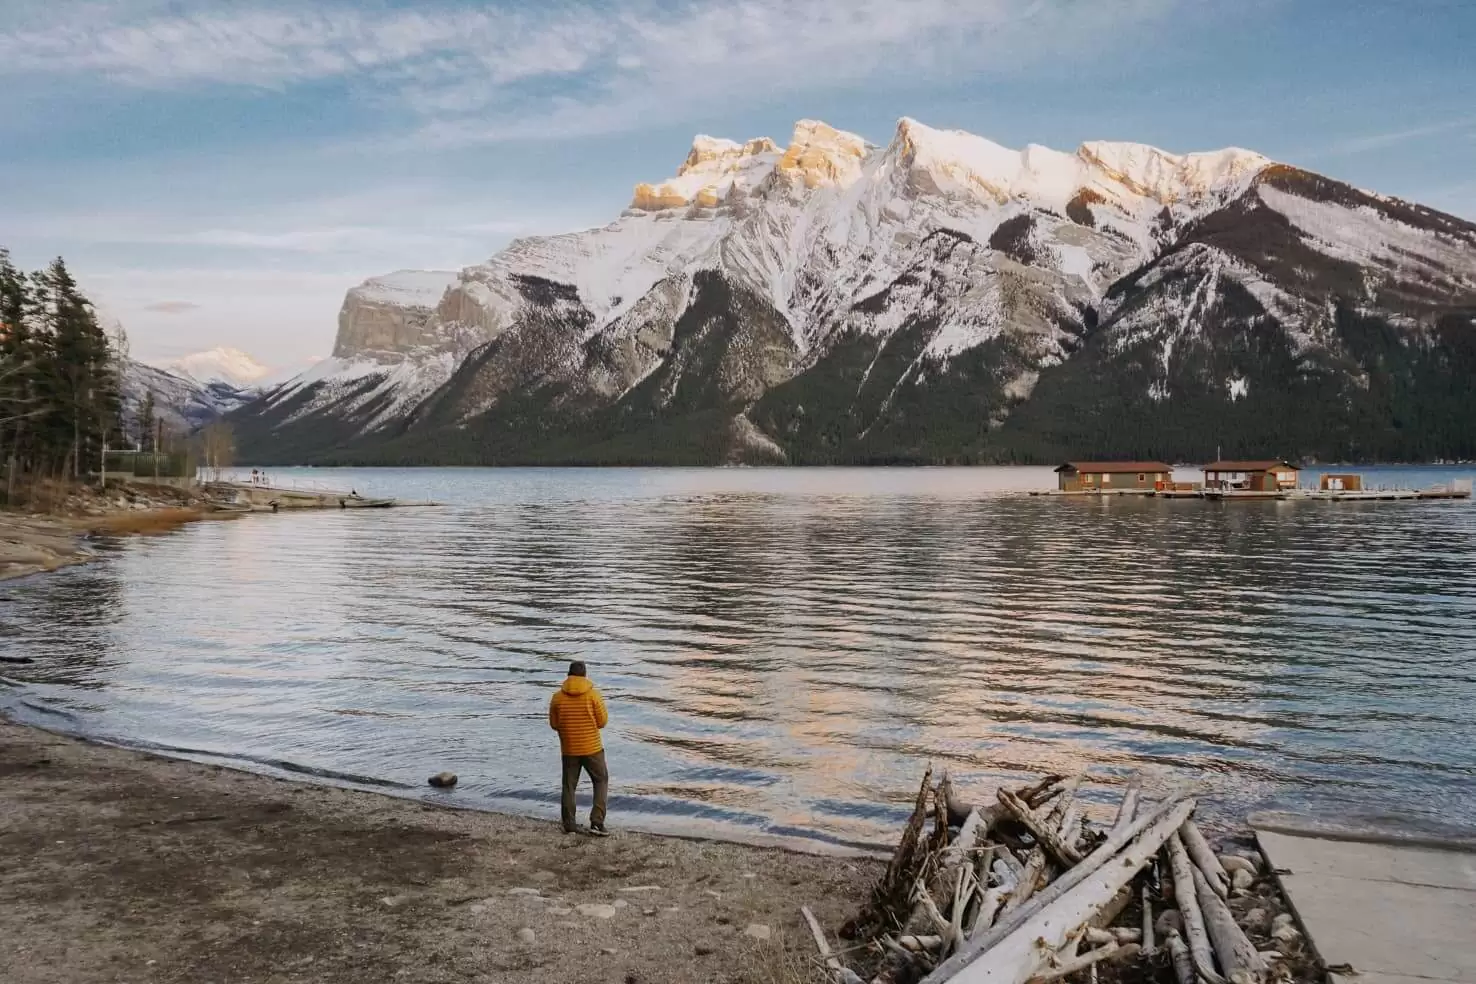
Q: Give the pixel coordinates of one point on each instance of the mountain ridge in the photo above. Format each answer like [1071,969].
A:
[939,298]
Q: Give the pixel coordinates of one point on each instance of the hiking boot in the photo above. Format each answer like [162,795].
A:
[598,830]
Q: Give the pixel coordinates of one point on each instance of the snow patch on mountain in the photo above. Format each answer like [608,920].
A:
[833,233]
[407,288]
[351,387]
[182,403]
[1368,237]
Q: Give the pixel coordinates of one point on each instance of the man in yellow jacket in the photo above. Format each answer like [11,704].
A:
[577,713]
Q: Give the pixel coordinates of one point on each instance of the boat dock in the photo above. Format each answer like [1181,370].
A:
[1232,480]
[1380,910]
[263,497]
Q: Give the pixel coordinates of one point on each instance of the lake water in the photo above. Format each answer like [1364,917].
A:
[783,651]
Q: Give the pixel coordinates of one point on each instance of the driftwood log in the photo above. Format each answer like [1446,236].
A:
[1148,942]
[1036,795]
[1241,962]
[1029,890]
[838,971]
[1179,956]
[1204,858]
[1129,807]
[1108,951]
[1040,828]
[1200,951]
[891,899]
[1012,952]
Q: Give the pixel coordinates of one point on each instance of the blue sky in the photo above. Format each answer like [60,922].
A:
[221,172]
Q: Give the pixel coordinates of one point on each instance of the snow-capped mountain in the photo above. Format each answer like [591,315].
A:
[220,365]
[182,403]
[938,298]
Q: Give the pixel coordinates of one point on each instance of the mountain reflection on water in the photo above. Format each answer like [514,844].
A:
[784,651]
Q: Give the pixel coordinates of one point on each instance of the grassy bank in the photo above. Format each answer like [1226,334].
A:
[117,865]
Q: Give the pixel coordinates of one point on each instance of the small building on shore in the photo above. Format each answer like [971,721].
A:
[1341,483]
[1112,476]
[1251,476]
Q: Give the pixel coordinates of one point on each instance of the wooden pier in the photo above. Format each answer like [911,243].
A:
[273,498]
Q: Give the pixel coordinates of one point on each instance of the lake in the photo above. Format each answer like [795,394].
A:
[784,651]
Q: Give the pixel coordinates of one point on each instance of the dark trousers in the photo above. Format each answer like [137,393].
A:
[598,774]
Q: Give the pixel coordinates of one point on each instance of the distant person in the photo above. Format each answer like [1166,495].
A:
[577,713]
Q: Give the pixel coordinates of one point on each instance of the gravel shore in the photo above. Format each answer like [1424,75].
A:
[117,865]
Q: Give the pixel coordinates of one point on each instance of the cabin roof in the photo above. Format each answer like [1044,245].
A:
[1114,467]
[1249,466]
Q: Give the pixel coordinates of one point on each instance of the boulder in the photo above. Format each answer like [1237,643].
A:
[1242,880]
[757,930]
[526,935]
[1234,862]
[443,780]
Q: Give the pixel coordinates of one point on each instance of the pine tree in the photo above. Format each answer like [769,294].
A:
[145,425]
[75,371]
[16,357]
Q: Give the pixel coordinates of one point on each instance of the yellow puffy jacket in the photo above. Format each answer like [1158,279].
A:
[577,713]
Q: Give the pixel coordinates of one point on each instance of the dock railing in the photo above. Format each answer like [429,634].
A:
[270,484]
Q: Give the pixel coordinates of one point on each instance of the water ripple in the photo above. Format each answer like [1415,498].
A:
[782,650]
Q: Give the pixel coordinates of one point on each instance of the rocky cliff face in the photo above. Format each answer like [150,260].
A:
[389,318]
[938,298]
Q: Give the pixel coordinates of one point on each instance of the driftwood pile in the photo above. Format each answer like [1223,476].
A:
[1026,891]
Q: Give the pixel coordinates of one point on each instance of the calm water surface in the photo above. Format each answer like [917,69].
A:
[783,651]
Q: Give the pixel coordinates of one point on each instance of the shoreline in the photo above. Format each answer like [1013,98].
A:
[114,860]
[39,543]
[162,868]
[678,828]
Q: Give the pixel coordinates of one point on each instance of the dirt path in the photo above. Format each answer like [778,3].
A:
[122,867]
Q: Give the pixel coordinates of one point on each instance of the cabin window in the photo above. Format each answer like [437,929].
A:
[1142,479]
[1106,479]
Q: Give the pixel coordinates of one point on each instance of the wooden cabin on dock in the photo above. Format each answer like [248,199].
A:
[1112,476]
[1341,483]
[1251,476]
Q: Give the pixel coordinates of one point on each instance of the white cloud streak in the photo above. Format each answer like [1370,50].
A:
[1396,138]
[467,74]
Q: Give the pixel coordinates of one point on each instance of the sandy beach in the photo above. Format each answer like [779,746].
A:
[121,866]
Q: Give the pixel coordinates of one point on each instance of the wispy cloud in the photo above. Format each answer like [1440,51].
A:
[1395,138]
[464,74]
[309,229]
[172,307]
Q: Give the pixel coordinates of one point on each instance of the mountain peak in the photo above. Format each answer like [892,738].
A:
[1170,178]
[221,364]
[818,155]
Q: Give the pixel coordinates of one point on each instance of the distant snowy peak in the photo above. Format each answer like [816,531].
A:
[221,365]
[183,402]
